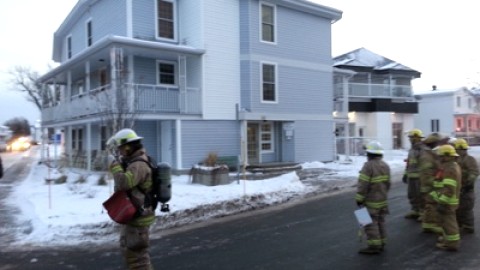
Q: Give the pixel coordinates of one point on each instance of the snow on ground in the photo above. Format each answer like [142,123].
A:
[71,213]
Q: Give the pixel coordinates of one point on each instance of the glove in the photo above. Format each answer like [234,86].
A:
[405,179]
[360,204]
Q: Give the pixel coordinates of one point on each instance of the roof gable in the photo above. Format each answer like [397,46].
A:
[364,58]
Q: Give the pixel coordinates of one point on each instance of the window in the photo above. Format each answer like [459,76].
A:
[166,19]
[435,125]
[166,73]
[469,103]
[80,139]
[269,83]
[459,124]
[268,23]
[69,47]
[459,101]
[266,137]
[103,138]
[77,88]
[89,34]
[103,79]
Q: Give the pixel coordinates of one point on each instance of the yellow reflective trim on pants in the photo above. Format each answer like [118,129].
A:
[449,182]
[374,242]
[453,237]
[376,205]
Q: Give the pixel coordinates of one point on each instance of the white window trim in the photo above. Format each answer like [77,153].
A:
[275,37]
[262,100]
[89,20]
[271,141]
[68,47]
[175,21]
[175,68]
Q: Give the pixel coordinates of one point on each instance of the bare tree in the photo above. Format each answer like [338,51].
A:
[25,80]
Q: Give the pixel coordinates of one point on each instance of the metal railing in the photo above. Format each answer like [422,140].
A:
[374,90]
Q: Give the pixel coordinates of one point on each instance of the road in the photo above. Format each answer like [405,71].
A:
[316,233]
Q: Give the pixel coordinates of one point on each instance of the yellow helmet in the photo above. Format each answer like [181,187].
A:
[374,147]
[460,144]
[416,133]
[446,150]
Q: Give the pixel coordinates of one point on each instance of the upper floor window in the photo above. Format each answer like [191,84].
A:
[269,82]
[166,73]
[89,33]
[469,103]
[268,23]
[69,47]
[459,101]
[166,19]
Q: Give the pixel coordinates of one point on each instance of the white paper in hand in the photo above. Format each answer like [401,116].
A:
[363,217]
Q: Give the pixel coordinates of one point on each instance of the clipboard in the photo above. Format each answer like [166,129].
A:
[363,217]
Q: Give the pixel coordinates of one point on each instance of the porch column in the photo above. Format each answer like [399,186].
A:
[179,143]
[87,76]
[182,83]
[68,145]
[89,146]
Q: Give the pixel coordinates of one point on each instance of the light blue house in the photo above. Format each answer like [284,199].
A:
[242,78]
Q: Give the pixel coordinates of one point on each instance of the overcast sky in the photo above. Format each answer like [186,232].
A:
[437,38]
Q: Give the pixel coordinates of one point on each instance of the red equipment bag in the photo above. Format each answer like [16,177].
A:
[120,208]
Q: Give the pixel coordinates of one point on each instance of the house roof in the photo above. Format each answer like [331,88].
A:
[363,58]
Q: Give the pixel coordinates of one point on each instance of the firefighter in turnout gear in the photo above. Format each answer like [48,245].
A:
[372,188]
[411,175]
[136,179]
[470,172]
[429,165]
[447,198]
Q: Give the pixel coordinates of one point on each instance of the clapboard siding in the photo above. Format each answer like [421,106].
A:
[202,137]
[314,141]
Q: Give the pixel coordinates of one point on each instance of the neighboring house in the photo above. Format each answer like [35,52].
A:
[374,94]
[241,78]
[452,113]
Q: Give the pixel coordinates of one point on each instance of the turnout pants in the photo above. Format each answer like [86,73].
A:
[430,216]
[376,232]
[134,242]
[465,216]
[414,195]
[448,221]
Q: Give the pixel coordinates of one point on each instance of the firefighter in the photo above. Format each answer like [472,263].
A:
[470,172]
[411,175]
[429,165]
[372,188]
[136,178]
[447,198]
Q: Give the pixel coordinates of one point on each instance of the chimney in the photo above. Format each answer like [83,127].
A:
[434,87]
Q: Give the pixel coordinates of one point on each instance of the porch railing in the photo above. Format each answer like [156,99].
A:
[146,99]
[374,90]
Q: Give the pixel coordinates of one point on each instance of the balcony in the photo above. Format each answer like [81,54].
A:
[374,90]
[143,98]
